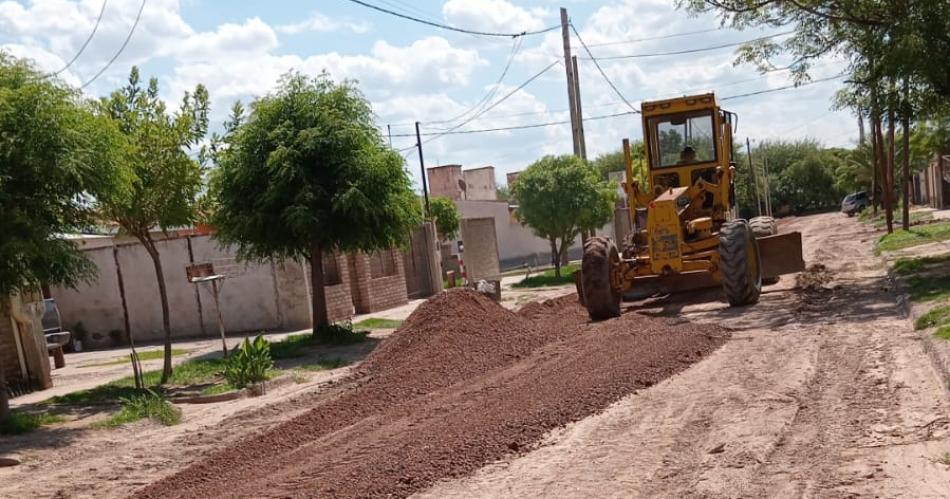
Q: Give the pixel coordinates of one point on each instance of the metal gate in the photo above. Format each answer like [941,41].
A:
[416,265]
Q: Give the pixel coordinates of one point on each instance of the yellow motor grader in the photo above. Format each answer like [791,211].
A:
[684,233]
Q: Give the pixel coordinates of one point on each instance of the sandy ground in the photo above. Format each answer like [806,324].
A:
[828,396]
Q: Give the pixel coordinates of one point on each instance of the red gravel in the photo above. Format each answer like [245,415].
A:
[462,383]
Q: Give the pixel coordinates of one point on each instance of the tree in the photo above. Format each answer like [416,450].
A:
[166,180]
[560,196]
[307,174]
[613,162]
[446,217]
[58,153]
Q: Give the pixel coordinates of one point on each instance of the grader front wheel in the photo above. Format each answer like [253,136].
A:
[740,263]
[600,298]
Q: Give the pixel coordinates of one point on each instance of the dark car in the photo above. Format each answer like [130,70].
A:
[854,203]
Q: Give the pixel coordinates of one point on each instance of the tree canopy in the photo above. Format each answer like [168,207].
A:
[308,173]
[446,216]
[560,196]
[59,154]
[608,162]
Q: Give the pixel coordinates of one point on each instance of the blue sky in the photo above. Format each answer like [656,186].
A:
[411,72]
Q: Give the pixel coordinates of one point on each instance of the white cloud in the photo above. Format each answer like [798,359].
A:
[253,37]
[322,23]
[494,15]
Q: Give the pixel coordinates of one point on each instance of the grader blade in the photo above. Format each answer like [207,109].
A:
[647,286]
[781,254]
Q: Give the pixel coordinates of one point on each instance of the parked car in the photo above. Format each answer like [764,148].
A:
[854,203]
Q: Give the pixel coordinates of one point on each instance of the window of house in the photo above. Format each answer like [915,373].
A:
[382,264]
[331,271]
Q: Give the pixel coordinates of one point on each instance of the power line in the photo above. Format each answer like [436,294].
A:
[601,70]
[121,49]
[515,48]
[451,28]
[85,43]
[692,51]
[787,87]
[514,127]
[650,38]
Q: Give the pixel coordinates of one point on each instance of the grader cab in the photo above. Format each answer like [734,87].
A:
[684,233]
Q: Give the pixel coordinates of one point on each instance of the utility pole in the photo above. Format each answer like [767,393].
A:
[580,113]
[768,188]
[755,183]
[389,130]
[569,69]
[422,168]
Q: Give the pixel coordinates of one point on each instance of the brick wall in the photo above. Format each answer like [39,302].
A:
[373,294]
[339,301]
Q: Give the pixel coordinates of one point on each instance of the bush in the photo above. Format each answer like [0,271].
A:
[19,422]
[148,404]
[249,363]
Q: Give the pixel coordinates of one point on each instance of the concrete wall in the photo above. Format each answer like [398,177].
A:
[480,184]
[511,177]
[481,248]
[447,181]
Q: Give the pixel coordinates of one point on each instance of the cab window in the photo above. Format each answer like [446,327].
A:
[682,139]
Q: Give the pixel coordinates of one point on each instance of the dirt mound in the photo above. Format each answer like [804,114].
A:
[812,287]
[462,383]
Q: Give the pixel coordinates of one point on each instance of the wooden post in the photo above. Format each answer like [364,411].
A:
[569,70]
[217,306]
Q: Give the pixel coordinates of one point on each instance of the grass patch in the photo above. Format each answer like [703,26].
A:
[915,236]
[325,365]
[20,422]
[143,356]
[377,323]
[935,317]
[296,345]
[547,278]
[192,372]
[928,288]
[916,217]
[218,389]
[150,405]
[943,332]
[907,266]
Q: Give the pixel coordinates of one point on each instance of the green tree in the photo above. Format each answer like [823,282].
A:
[446,217]
[166,179]
[613,162]
[58,153]
[308,173]
[560,196]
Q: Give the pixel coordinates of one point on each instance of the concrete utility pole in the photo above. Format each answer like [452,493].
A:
[755,184]
[422,168]
[569,69]
[768,188]
[580,113]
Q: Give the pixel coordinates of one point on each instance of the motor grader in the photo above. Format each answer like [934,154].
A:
[684,233]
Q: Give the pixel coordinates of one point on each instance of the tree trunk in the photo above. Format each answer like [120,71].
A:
[556,255]
[163,298]
[889,182]
[875,167]
[4,398]
[318,295]
[905,181]
[881,161]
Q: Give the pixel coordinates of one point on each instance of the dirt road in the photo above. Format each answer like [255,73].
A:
[827,394]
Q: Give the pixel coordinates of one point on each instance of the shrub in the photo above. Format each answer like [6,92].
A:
[148,404]
[249,363]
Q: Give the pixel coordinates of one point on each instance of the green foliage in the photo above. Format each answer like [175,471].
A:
[943,332]
[935,317]
[613,162]
[20,422]
[928,288]
[147,404]
[560,196]
[308,172]
[907,266]
[446,216]
[915,236]
[58,154]
[143,356]
[549,278]
[376,323]
[248,363]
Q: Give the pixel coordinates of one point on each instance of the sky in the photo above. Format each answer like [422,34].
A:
[413,72]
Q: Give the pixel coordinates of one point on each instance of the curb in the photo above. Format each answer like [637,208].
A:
[250,391]
[939,355]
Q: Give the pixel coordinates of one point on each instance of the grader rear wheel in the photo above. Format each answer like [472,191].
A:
[601,300]
[740,263]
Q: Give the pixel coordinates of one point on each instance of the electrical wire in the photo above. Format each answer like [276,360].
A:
[85,43]
[514,127]
[693,51]
[452,28]
[121,49]
[515,48]
[787,87]
[650,38]
[601,70]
